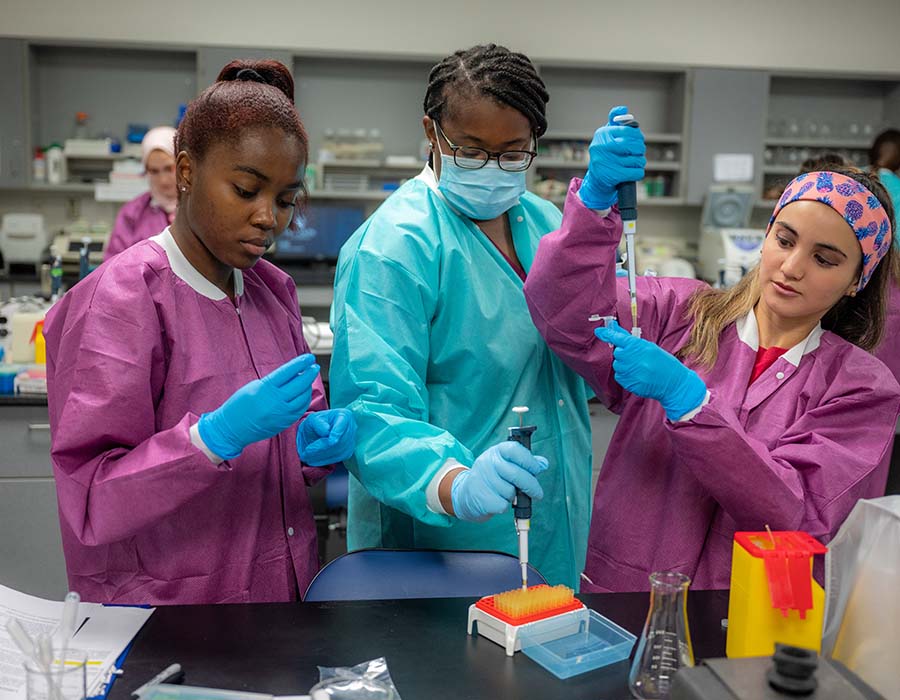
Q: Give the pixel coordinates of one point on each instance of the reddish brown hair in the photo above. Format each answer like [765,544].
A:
[246,95]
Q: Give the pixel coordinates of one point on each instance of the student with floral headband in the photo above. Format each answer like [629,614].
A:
[740,408]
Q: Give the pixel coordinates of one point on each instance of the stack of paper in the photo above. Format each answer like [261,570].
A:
[102,634]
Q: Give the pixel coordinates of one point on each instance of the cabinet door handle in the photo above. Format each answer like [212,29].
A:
[38,426]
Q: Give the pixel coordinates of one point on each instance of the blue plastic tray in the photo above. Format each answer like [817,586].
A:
[576,643]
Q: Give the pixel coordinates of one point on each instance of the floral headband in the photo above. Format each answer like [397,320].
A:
[855,203]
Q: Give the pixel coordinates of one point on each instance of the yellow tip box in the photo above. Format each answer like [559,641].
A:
[774,597]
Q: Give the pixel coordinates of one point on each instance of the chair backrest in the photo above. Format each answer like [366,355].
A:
[385,574]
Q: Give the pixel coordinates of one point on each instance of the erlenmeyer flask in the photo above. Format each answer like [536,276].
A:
[665,644]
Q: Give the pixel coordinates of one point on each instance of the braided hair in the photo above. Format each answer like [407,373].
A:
[508,77]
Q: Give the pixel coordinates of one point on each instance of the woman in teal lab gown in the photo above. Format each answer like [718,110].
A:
[433,343]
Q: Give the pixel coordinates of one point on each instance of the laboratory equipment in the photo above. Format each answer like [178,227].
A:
[56,164]
[665,644]
[862,574]
[38,166]
[84,264]
[56,274]
[627,192]
[320,232]
[569,645]
[69,243]
[501,626]
[522,503]
[774,597]
[170,691]
[735,251]
[728,208]
[51,676]
[23,324]
[792,672]
[23,239]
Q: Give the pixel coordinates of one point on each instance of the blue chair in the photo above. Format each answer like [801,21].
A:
[387,574]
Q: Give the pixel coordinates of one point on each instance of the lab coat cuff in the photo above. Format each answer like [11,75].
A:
[603,213]
[432,493]
[197,442]
[690,414]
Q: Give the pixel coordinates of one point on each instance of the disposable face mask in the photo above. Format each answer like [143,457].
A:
[482,194]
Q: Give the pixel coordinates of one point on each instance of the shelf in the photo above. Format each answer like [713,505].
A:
[818,143]
[66,188]
[369,165]
[781,169]
[766,203]
[561,163]
[104,156]
[349,195]
[649,138]
[649,202]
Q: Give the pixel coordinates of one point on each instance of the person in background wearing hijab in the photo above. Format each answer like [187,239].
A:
[151,212]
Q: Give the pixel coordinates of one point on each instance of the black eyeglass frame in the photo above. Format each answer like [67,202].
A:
[527,156]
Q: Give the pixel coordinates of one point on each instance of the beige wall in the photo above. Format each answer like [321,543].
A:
[779,34]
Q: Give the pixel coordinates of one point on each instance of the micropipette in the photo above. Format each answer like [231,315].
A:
[627,192]
[522,503]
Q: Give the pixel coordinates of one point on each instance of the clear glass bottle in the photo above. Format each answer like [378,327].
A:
[665,644]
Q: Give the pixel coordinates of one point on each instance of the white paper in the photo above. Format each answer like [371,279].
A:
[103,633]
[733,167]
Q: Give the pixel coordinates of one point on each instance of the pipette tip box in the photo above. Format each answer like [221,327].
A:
[487,619]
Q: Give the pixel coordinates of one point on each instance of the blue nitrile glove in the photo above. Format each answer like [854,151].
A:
[490,485]
[326,437]
[645,369]
[616,156]
[261,408]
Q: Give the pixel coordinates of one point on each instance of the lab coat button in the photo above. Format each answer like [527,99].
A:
[561,403]
[520,219]
[290,532]
[779,375]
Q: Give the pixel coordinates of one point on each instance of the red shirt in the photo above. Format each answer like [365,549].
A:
[765,358]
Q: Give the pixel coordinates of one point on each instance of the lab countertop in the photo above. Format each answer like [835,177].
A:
[23,399]
[275,648]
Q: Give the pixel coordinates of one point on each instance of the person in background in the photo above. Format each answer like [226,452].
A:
[433,345]
[149,213]
[177,374]
[755,406]
[884,159]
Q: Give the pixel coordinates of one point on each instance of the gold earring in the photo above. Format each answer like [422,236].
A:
[853,293]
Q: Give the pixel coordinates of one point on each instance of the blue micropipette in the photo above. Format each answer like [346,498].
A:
[627,192]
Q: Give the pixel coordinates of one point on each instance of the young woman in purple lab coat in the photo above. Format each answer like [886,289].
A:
[149,213]
[177,373]
[741,408]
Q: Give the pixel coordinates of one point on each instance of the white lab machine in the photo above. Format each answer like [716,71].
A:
[70,241]
[23,240]
[728,248]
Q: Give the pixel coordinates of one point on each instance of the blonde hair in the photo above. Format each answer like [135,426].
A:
[713,310]
[858,319]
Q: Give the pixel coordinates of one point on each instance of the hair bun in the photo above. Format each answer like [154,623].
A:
[268,72]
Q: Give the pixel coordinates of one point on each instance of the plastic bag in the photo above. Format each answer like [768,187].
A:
[369,680]
[862,608]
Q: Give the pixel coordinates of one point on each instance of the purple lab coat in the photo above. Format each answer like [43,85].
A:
[134,355]
[136,221]
[795,450]
[889,349]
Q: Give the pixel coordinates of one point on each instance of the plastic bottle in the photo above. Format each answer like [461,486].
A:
[38,166]
[81,125]
[56,164]
[360,145]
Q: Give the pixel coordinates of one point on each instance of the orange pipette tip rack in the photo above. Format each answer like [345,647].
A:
[518,607]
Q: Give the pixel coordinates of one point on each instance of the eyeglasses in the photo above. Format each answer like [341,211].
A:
[473,158]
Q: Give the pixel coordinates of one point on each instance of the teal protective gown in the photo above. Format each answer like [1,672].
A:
[433,346]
